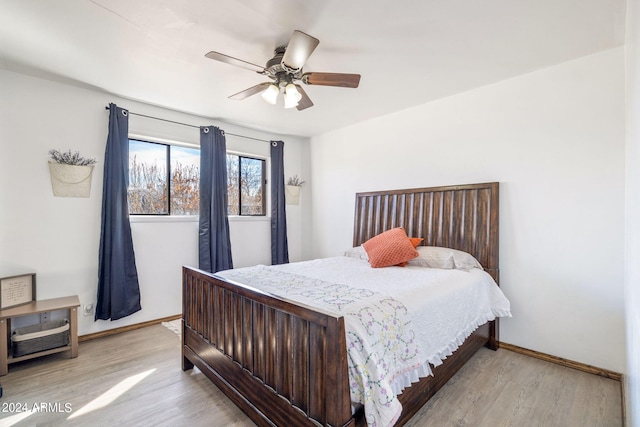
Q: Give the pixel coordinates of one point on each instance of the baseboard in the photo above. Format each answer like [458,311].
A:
[564,362]
[624,402]
[115,331]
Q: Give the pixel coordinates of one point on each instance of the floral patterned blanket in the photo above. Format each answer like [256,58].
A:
[381,342]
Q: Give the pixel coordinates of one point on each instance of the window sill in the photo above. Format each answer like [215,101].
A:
[240,218]
[191,218]
[163,218]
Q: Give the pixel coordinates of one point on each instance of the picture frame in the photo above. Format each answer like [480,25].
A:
[17,290]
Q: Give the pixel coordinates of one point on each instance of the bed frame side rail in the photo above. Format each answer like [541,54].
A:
[279,362]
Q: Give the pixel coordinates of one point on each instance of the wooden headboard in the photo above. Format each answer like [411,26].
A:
[463,217]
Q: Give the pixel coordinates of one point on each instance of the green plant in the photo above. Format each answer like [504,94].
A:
[294,180]
[69,158]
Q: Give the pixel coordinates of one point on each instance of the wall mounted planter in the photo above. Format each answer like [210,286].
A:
[70,180]
[292,194]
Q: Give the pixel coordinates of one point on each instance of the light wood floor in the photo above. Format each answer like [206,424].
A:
[134,379]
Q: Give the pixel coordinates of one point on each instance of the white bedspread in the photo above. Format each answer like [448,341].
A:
[397,319]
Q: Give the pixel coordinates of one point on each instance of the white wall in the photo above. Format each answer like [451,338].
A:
[632,278]
[554,139]
[58,237]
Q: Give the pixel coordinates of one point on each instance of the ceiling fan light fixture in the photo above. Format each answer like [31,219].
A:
[292,91]
[271,94]
[290,101]
[291,96]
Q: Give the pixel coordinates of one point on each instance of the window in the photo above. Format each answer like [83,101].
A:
[164,180]
[246,179]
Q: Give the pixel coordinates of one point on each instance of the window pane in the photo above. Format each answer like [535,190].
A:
[147,192]
[233,187]
[185,181]
[245,185]
[251,179]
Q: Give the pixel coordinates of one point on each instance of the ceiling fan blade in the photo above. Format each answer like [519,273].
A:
[300,47]
[251,91]
[235,61]
[305,101]
[331,79]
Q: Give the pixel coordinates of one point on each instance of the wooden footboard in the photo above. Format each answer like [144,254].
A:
[281,363]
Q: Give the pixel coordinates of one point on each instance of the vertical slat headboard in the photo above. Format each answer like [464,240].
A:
[463,217]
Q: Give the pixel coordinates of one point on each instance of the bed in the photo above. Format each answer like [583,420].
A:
[285,363]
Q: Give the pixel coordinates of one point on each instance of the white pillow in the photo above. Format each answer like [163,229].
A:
[433,257]
[439,257]
[357,252]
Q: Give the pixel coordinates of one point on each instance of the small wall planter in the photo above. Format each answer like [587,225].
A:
[292,194]
[70,180]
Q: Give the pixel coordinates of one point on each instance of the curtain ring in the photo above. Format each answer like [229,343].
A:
[274,143]
[205,130]
[125,113]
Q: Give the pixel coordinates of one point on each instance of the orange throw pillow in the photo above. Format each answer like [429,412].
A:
[389,248]
[415,241]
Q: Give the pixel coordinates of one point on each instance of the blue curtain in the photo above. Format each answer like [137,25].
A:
[118,288]
[279,245]
[213,238]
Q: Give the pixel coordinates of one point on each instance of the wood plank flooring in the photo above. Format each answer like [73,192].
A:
[134,379]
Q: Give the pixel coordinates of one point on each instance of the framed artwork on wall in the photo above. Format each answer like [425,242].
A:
[17,290]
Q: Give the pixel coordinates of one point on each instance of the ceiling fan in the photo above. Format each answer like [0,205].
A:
[285,69]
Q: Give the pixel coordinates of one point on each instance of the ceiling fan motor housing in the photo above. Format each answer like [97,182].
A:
[277,70]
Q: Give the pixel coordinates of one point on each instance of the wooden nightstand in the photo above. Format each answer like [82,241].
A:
[35,307]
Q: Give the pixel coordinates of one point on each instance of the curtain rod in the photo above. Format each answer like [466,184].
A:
[191,126]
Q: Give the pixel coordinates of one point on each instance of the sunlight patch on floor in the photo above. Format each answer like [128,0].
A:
[112,394]
[14,419]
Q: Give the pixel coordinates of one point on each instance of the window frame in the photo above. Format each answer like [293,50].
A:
[265,166]
[167,176]
[167,144]
[168,217]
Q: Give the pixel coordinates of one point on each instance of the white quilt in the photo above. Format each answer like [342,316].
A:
[397,319]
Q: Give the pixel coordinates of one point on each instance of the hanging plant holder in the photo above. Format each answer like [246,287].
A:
[70,180]
[292,190]
[292,194]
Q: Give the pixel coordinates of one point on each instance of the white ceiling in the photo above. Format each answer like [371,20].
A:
[408,51]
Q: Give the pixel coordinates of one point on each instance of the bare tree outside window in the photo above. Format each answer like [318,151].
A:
[185,181]
[245,178]
[233,184]
[165,179]
[147,193]
[153,191]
